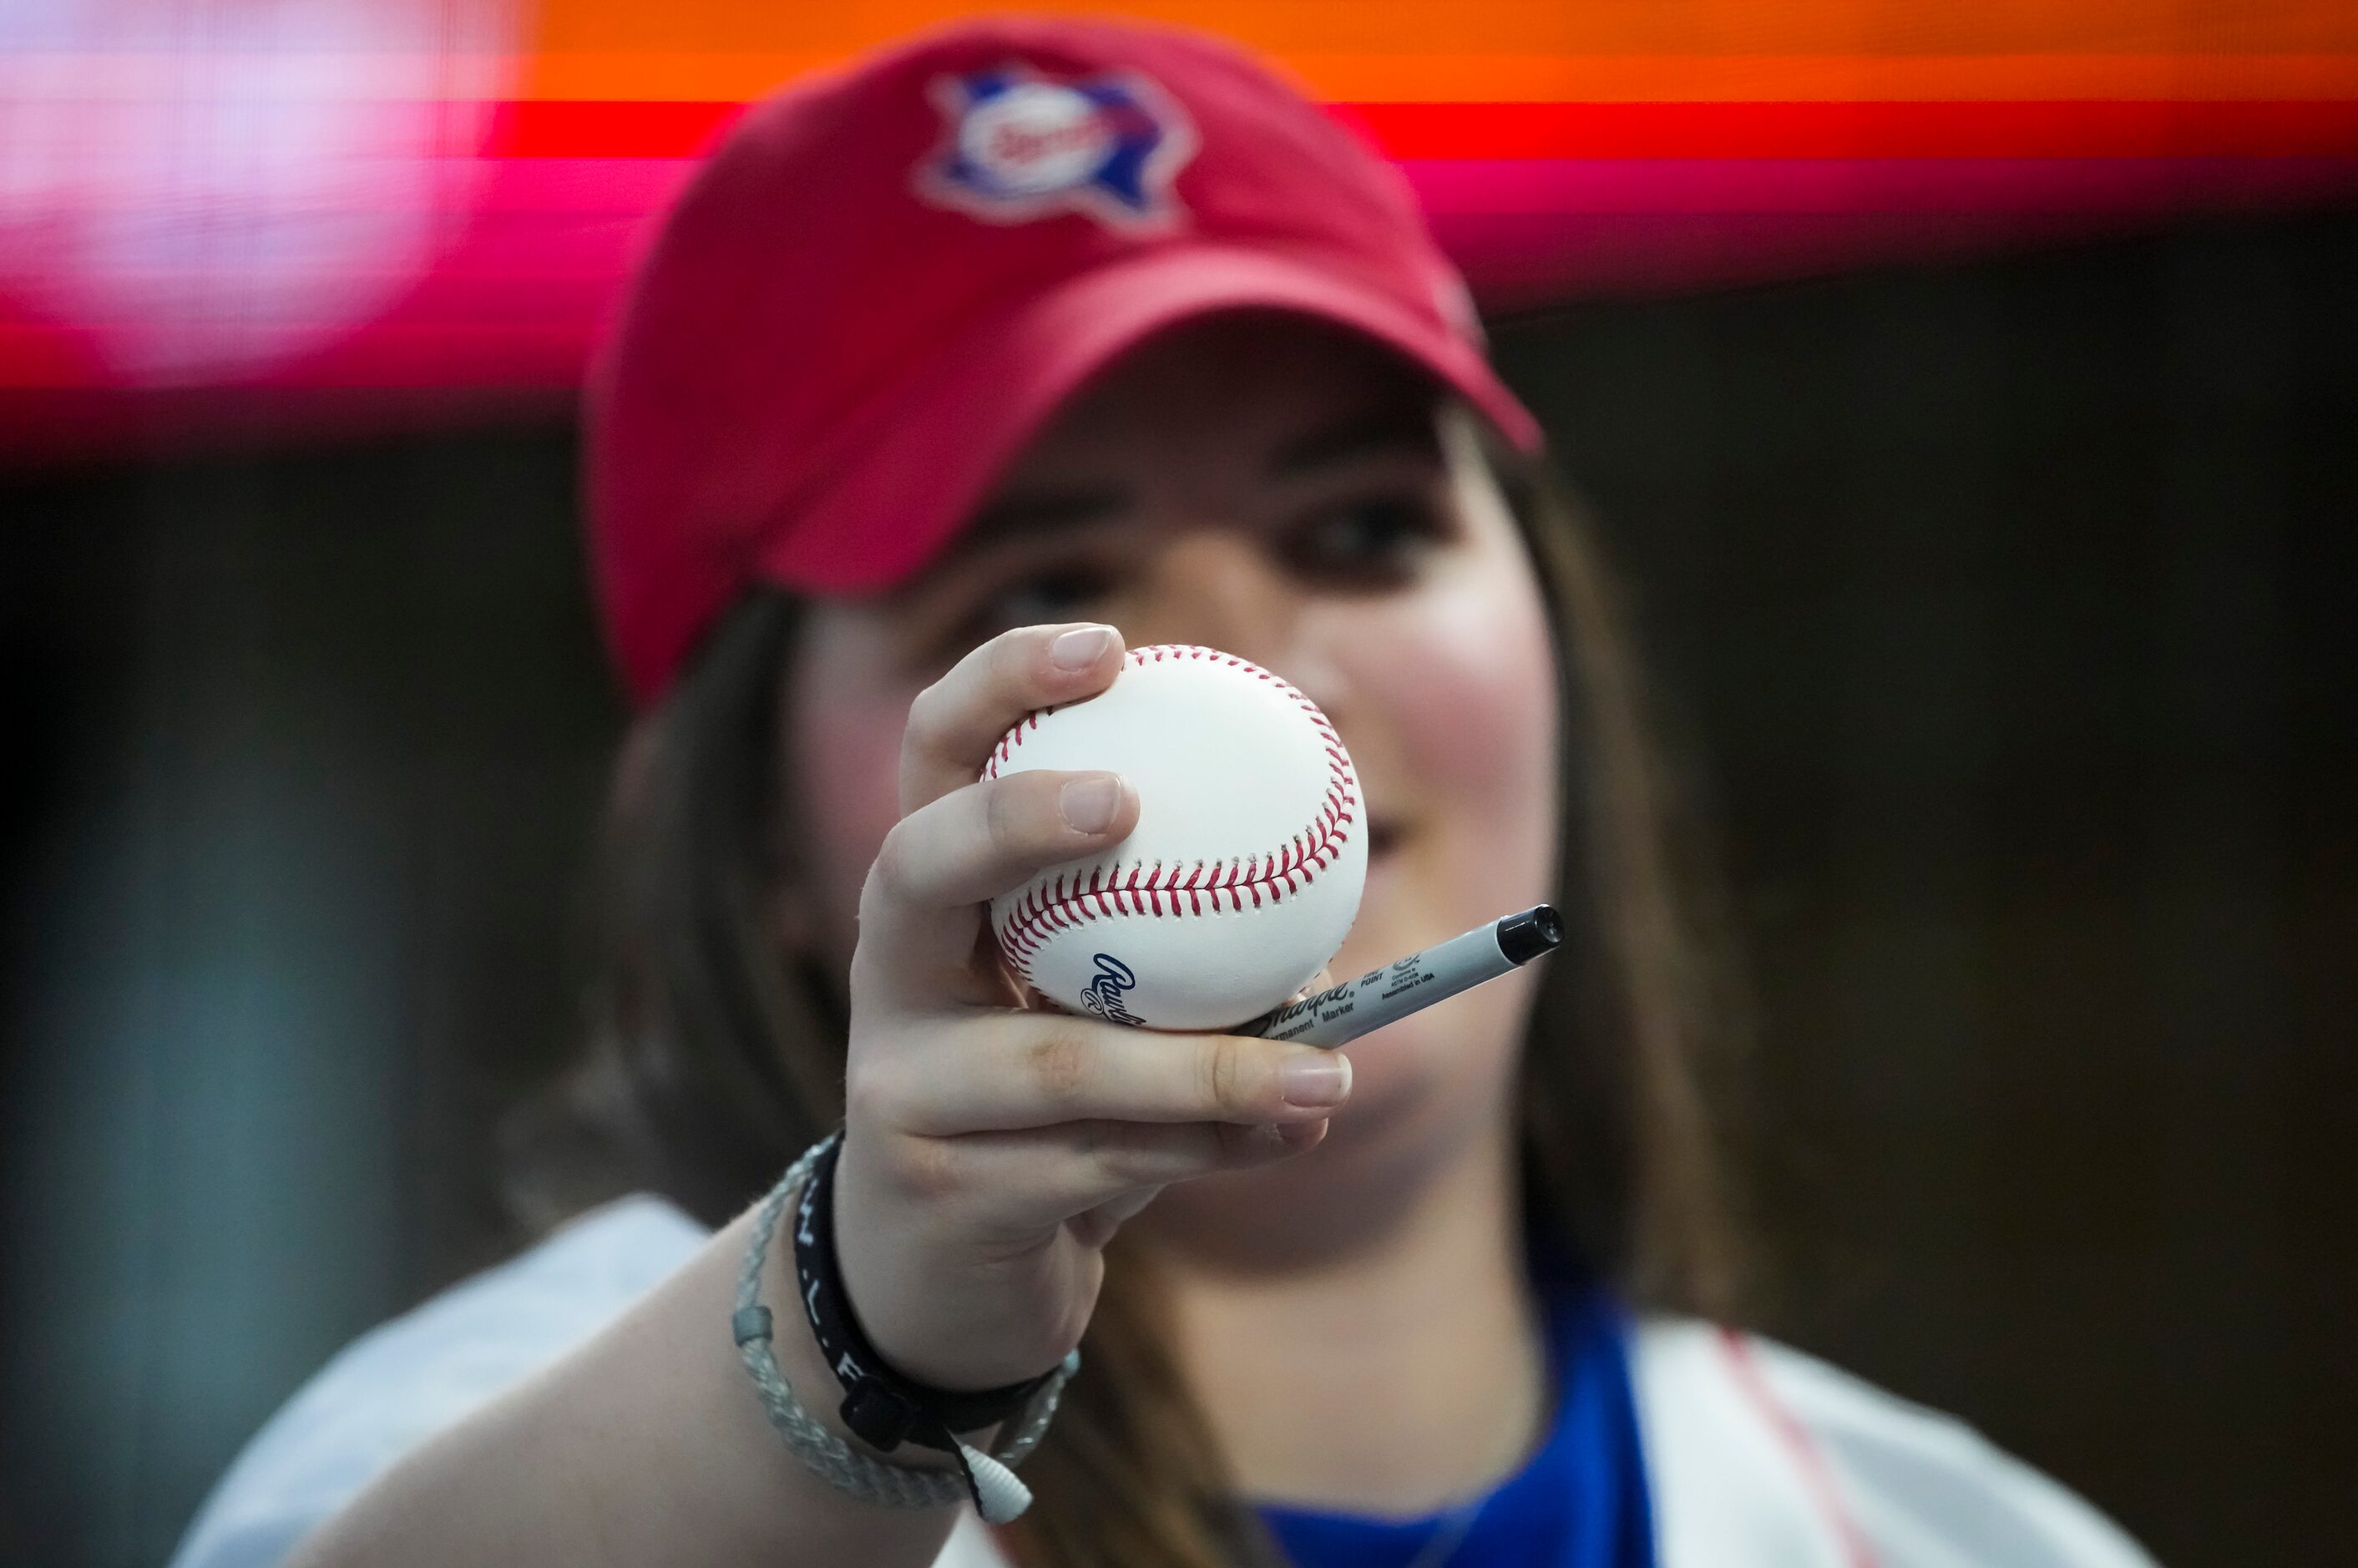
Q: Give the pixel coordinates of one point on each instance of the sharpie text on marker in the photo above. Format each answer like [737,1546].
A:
[1342,1013]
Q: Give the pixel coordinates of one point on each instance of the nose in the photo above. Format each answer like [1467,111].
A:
[1217,587]
[1224,589]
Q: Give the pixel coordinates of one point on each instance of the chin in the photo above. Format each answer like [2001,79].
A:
[1456,1053]
[1426,1093]
[1423,1090]
[1440,1064]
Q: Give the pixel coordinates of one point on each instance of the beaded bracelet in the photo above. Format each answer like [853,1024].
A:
[988,1478]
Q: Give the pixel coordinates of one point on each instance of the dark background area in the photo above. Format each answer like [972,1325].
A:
[2004,611]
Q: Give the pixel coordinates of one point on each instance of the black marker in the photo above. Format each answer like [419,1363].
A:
[1341,1015]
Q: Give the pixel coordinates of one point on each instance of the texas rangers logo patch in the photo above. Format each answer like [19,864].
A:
[1018,146]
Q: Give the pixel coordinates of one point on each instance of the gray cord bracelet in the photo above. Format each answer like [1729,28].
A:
[836,1460]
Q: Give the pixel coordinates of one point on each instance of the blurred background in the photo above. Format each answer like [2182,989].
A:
[1971,398]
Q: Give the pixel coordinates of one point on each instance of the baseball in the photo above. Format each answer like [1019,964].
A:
[1243,875]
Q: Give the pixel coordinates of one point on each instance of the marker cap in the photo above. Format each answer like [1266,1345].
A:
[1522,937]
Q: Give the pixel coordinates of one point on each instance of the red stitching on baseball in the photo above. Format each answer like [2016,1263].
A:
[1286,870]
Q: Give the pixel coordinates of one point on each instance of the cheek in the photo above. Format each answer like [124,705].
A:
[1451,694]
[1453,691]
[1462,684]
[1471,690]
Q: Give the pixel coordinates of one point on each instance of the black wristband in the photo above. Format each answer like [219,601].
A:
[881,1407]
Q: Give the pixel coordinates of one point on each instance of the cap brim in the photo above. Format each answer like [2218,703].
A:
[909,472]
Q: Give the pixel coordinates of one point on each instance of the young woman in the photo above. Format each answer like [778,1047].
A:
[951,379]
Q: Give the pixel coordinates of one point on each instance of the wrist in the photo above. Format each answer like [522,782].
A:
[986,1478]
[884,1405]
[804,1368]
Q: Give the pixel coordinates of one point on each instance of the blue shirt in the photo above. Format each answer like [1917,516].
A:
[1579,1502]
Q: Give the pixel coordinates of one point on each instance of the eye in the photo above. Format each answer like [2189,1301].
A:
[1374,540]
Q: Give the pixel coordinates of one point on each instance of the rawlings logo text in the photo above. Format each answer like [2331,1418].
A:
[1103,994]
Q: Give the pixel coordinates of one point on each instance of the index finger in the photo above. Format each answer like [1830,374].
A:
[955,722]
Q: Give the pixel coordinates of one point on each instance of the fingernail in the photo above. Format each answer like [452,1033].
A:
[1080,647]
[1087,804]
[1315,1079]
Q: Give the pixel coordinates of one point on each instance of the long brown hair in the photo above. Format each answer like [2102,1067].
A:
[714,1061]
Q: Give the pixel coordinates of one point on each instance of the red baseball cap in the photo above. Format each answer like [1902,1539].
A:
[887,278]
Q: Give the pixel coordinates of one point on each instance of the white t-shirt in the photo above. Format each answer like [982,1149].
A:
[1756,1456]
